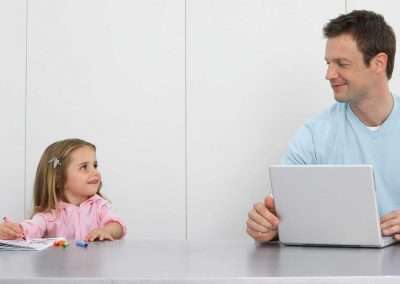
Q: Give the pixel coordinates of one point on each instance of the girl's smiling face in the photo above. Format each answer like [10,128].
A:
[82,176]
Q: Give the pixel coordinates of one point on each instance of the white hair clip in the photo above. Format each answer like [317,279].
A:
[56,162]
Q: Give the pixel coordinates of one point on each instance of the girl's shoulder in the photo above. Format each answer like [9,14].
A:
[98,201]
[49,215]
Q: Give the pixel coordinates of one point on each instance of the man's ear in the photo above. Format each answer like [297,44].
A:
[379,62]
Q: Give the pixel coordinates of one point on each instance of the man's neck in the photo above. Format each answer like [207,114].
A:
[374,110]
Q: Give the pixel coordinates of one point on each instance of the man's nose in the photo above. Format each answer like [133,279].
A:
[330,73]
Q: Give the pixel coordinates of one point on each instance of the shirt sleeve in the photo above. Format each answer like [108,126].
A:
[107,216]
[35,227]
[301,149]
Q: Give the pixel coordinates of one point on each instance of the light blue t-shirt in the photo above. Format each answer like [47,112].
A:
[337,136]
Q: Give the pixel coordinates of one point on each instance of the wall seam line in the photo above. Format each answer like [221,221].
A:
[186,132]
[26,103]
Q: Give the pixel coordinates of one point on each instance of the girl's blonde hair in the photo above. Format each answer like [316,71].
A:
[51,173]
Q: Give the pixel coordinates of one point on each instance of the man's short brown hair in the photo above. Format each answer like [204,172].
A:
[371,33]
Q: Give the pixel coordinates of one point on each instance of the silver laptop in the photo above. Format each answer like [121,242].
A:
[332,205]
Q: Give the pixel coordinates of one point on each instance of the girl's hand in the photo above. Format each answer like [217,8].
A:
[10,231]
[111,231]
[100,234]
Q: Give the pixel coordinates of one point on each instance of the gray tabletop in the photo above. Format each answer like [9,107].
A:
[200,262]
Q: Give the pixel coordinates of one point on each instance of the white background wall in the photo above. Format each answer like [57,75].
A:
[112,72]
[12,107]
[187,101]
[255,72]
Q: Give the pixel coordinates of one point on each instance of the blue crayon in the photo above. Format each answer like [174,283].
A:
[82,244]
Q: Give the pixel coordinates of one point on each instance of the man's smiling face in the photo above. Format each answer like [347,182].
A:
[347,73]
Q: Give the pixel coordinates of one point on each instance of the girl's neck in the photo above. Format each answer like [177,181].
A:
[76,200]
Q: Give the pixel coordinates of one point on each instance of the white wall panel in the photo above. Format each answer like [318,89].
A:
[112,72]
[12,107]
[255,73]
[389,9]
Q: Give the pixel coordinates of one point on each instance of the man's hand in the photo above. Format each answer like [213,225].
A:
[390,224]
[262,223]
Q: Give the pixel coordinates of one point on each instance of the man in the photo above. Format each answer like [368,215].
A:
[363,127]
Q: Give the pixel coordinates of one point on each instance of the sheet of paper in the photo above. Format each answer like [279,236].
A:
[32,244]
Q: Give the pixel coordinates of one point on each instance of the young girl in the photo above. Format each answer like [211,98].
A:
[67,199]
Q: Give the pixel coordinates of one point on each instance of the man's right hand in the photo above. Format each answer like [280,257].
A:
[262,224]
